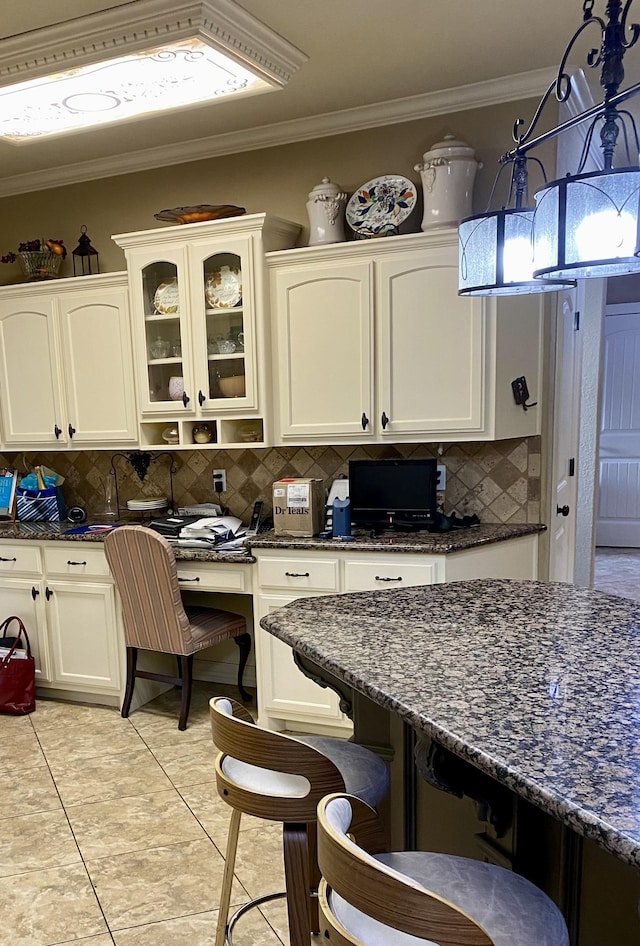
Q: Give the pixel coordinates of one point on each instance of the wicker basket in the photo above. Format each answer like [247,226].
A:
[39,264]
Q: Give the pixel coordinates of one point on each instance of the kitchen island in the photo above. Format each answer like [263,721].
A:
[524,696]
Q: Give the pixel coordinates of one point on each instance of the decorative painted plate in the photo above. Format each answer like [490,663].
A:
[167,298]
[223,287]
[381,205]
[199,213]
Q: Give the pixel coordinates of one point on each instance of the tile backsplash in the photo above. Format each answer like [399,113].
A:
[499,482]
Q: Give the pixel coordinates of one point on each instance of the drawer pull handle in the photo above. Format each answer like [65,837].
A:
[76,563]
[297,574]
[381,578]
[8,559]
[188,579]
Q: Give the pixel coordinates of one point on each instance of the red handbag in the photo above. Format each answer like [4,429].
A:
[17,674]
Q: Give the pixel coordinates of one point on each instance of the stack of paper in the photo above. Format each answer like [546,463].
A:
[210,531]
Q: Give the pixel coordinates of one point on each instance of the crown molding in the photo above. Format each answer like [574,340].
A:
[140,25]
[413,108]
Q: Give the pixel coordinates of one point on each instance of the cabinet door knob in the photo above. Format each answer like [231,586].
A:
[185,398]
[385,420]
[34,592]
[562,511]
[201,398]
[48,593]
[57,431]
[364,421]
[72,431]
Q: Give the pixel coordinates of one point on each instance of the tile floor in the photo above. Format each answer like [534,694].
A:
[617,571]
[113,833]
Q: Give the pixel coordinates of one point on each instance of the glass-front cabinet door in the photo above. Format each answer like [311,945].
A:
[225,355]
[166,377]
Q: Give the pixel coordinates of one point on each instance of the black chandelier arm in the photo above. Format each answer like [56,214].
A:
[634,27]
[519,122]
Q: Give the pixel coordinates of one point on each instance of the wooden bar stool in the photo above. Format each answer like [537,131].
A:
[415,898]
[154,618]
[280,778]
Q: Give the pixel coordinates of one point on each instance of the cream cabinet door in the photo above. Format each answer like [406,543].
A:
[96,352]
[31,394]
[23,596]
[324,351]
[285,693]
[81,617]
[431,347]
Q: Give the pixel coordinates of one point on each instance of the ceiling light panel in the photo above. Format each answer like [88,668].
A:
[133,60]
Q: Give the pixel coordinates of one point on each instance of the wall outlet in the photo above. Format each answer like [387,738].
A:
[220,481]
[441,483]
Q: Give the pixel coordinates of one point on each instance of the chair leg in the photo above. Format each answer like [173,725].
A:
[314,877]
[244,645]
[132,659]
[187,677]
[227,877]
[296,871]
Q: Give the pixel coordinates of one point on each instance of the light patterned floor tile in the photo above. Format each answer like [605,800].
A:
[213,813]
[199,930]
[37,792]
[50,906]
[188,764]
[20,752]
[36,842]
[16,725]
[83,781]
[259,860]
[103,939]
[51,714]
[160,884]
[276,914]
[157,731]
[69,743]
[136,823]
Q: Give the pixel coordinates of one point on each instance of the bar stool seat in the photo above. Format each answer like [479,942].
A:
[277,777]
[418,898]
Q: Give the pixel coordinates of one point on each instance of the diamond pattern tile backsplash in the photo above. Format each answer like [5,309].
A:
[499,482]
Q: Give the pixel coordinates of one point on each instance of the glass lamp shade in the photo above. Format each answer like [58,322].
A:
[586,226]
[496,255]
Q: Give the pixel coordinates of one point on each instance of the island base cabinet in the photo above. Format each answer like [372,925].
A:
[81,618]
[288,699]
[24,597]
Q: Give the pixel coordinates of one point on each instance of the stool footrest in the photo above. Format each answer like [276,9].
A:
[240,912]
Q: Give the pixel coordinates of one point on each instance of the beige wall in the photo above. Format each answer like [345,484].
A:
[276,180]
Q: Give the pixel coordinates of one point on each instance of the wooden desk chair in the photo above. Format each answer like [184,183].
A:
[280,778]
[144,569]
[415,898]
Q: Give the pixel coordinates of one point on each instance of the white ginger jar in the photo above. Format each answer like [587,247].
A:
[325,208]
[448,172]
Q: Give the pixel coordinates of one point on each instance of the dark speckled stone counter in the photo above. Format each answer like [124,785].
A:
[536,684]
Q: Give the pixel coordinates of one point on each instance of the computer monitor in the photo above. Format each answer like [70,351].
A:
[393,493]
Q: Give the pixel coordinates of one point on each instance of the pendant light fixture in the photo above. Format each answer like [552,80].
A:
[583,225]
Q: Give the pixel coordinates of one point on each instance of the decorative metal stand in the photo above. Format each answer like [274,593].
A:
[140,461]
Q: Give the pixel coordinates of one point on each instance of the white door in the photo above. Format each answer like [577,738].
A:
[23,596]
[96,351]
[430,347]
[562,533]
[30,390]
[618,521]
[324,351]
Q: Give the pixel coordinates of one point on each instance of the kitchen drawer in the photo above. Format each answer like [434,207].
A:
[202,576]
[366,575]
[76,560]
[299,574]
[20,558]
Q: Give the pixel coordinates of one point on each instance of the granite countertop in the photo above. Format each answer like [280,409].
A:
[535,683]
[424,543]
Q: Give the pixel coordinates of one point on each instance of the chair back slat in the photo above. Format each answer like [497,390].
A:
[378,892]
[144,569]
[234,736]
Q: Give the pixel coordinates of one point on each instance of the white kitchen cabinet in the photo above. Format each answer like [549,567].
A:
[64,593]
[66,371]
[374,344]
[201,333]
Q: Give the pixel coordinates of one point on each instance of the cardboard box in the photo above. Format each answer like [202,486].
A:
[298,507]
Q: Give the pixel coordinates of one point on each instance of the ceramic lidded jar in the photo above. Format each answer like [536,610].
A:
[448,172]
[325,208]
